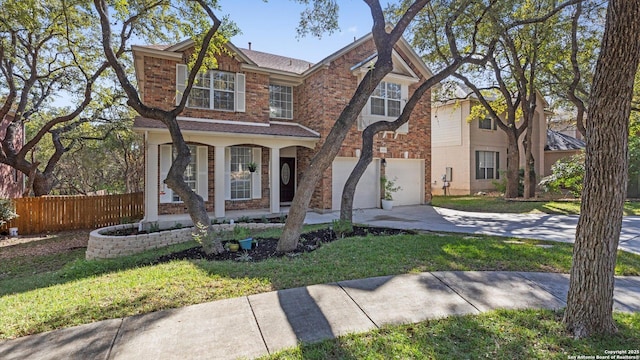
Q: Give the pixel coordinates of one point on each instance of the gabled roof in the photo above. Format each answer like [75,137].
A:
[557,141]
[279,64]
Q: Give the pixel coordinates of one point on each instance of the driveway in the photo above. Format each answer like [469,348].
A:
[532,226]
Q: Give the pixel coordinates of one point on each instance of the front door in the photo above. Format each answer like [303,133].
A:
[287,179]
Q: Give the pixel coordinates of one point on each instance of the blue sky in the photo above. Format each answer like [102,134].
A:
[271,27]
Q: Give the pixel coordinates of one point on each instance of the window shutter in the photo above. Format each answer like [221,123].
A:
[202,159]
[256,177]
[166,195]
[478,175]
[227,173]
[497,165]
[181,81]
[240,90]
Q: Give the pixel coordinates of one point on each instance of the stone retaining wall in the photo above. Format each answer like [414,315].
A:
[111,246]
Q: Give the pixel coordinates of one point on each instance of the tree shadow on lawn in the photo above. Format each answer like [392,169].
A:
[502,334]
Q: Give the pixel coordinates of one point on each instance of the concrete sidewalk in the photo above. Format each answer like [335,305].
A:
[262,324]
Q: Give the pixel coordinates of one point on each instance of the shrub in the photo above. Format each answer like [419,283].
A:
[501,185]
[7,211]
[389,187]
[566,174]
[341,228]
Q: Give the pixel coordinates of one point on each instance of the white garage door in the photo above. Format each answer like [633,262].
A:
[368,189]
[409,175]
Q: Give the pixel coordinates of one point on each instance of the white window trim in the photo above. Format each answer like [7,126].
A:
[202,173]
[281,117]
[239,89]
[367,118]
[255,178]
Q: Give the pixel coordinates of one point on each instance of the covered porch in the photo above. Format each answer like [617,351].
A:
[221,154]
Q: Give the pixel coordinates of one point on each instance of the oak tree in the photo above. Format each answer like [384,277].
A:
[590,299]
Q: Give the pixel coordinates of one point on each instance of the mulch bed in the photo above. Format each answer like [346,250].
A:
[266,248]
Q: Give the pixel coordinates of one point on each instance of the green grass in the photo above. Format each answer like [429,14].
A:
[500,205]
[82,291]
[524,334]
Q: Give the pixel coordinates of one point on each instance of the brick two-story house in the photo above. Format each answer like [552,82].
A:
[275,112]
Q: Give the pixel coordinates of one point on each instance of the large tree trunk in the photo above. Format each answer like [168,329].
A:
[42,184]
[324,157]
[529,165]
[384,42]
[513,160]
[590,299]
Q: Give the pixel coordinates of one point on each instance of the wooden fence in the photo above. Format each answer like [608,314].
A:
[56,213]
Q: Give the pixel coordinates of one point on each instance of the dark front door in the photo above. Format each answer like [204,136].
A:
[287,179]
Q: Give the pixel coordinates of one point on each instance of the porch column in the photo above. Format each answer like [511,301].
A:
[219,181]
[275,180]
[151,184]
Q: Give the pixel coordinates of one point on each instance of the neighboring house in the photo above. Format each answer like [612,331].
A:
[11,180]
[470,155]
[560,146]
[276,112]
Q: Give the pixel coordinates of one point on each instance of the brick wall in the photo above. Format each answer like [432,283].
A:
[160,91]
[334,88]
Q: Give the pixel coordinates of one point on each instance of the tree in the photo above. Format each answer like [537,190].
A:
[576,42]
[47,51]
[193,18]
[384,42]
[461,17]
[523,32]
[590,299]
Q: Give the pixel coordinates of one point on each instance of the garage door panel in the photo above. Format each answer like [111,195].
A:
[367,193]
[409,175]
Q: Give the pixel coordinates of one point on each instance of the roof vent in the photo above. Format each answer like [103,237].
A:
[249,45]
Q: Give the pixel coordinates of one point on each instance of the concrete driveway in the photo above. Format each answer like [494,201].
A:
[532,226]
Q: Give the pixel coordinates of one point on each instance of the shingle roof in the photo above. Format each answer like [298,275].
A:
[273,129]
[277,62]
[557,141]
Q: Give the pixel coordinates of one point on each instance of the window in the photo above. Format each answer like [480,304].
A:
[281,101]
[385,99]
[487,164]
[190,173]
[240,175]
[215,90]
[223,90]
[196,173]
[485,123]
[200,95]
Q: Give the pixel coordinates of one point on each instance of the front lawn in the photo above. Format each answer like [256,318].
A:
[82,291]
[498,204]
[522,334]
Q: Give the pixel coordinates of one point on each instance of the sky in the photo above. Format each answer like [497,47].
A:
[271,27]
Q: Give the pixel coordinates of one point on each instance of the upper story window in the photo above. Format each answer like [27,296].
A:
[216,90]
[280,101]
[386,99]
[487,124]
[386,104]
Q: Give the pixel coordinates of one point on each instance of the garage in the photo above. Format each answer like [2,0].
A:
[409,175]
[368,190]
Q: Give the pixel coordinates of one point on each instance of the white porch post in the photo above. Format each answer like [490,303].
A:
[151,184]
[219,182]
[275,180]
